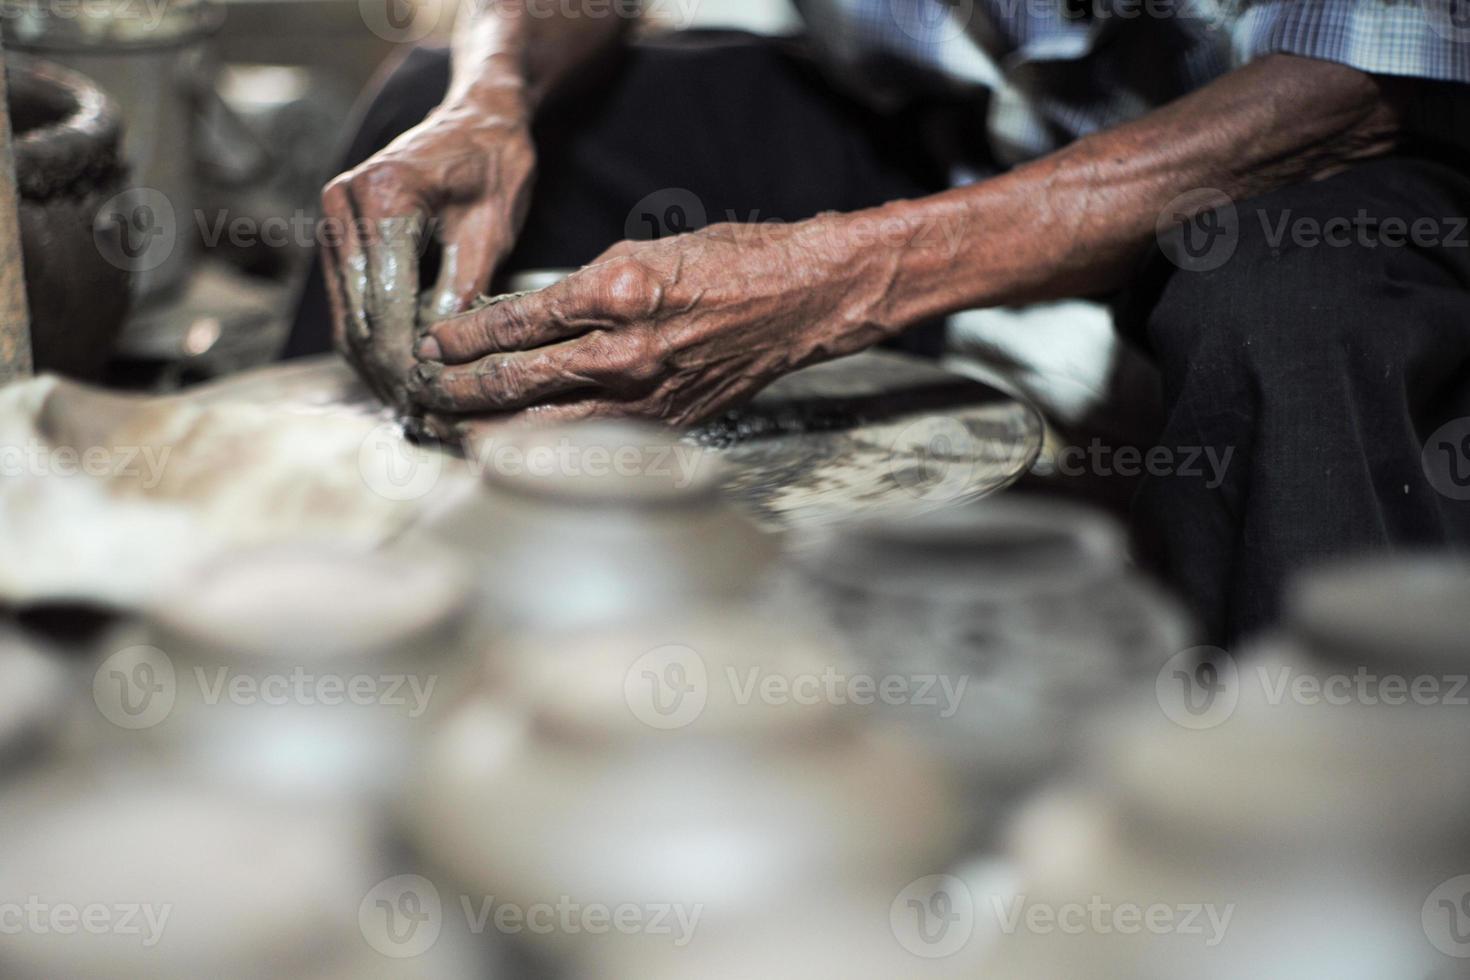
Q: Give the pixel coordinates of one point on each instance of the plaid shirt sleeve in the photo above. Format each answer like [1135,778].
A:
[1414,38]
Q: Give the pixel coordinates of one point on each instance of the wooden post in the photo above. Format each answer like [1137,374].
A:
[15,321]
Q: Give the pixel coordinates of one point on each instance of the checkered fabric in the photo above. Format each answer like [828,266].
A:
[1060,69]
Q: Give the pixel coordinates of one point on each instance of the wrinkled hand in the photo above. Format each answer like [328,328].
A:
[678,330]
[465,174]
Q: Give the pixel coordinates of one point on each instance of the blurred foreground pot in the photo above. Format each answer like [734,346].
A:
[1024,611]
[645,766]
[124,875]
[600,523]
[313,672]
[1408,616]
[37,695]
[67,166]
[1286,840]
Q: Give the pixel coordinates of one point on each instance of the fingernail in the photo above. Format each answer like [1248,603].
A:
[424,375]
[428,349]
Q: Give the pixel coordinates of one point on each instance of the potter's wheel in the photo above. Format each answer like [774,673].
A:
[876,432]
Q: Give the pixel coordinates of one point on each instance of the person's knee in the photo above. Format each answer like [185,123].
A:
[1309,279]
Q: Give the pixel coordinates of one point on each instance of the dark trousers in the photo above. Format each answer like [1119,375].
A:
[1322,369]
[1331,354]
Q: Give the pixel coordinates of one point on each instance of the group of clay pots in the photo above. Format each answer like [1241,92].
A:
[590,690]
[1303,817]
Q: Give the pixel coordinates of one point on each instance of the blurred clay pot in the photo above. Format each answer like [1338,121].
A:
[602,522]
[309,671]
[67,165]
[630,768]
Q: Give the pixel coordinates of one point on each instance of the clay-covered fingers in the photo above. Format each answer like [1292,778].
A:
[599,296]
[604,364]
[372,271]
[474,240]
[479,229]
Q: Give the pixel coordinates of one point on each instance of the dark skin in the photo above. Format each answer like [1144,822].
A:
[684,328]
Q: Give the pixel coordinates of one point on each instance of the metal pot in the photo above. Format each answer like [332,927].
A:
[67,167]
[146,57]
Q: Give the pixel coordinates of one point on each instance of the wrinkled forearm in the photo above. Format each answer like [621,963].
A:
[510,54]
[1077,222]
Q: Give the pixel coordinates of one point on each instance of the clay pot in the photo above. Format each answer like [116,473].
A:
[309,671]
[1408,615]
[601,522]
[67,167]
[237,886]
[1029,604]
[37,695]
[624,766]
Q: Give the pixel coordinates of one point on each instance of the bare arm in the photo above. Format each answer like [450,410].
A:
[682,328]
[1076,222]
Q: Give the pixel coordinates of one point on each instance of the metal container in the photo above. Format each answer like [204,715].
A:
[146,57]
[303,670]
[67,167]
